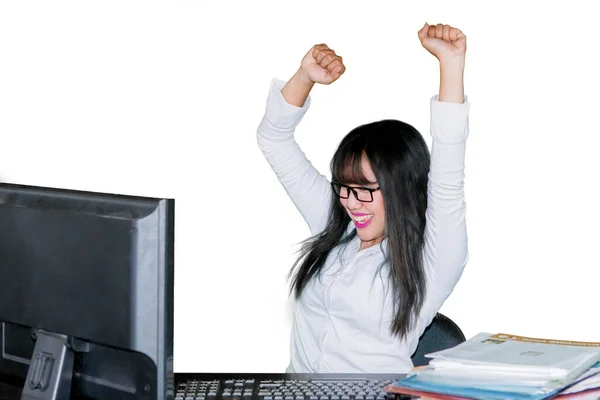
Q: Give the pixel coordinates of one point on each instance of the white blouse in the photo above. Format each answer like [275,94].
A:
[342,319]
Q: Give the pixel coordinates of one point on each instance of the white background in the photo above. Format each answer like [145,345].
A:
[163,99]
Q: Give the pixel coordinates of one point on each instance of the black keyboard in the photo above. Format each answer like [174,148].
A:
[283,386]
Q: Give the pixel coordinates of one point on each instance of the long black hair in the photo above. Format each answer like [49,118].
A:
[399,158]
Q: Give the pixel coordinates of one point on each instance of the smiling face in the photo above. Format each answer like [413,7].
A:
[368,217]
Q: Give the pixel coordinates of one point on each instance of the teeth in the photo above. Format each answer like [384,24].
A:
[363,218]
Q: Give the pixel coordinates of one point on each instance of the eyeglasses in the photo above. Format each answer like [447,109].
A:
[361,194]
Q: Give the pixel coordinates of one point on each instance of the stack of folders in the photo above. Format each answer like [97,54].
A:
[501,367]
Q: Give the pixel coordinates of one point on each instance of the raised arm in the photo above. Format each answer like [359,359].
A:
[286,105]
[446,250]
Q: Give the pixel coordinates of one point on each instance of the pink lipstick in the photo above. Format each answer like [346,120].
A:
[361,224]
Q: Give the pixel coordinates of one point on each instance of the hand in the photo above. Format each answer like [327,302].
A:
[443,41]
[322,65]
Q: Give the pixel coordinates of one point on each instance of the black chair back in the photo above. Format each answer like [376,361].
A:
[441,334]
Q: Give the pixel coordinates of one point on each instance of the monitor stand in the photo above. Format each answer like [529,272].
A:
[51,368]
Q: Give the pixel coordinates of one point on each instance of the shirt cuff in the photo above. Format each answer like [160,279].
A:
[449,121]
[281,114]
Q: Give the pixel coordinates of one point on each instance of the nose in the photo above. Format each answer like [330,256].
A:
[352,203]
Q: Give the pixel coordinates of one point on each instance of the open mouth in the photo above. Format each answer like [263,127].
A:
[361,221]
[362,218]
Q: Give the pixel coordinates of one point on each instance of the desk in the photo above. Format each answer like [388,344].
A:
[9,392]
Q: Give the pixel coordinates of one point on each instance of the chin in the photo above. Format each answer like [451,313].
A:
[369,237]
[364,235]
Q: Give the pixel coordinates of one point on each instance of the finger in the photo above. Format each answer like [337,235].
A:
[446,33]
[317,48]
[439,30]
[338,71]
[423,32]
[322,54]
[431,32]
[336,67]
[328,59]
[453,32]
[334,75]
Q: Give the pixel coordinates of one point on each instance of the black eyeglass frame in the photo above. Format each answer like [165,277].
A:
[353,190]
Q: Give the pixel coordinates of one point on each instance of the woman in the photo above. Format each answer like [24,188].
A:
[389,235]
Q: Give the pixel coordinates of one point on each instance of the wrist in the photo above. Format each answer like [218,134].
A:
[451,80]
[297,89]
[452,64]
[303,79]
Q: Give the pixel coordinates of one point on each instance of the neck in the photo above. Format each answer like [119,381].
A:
[366,244]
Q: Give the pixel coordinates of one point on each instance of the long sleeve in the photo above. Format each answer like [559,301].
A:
[308,189]
[446,249]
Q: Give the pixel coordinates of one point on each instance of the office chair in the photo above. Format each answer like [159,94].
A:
[441,334]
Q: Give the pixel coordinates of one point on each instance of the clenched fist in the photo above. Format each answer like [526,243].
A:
[443,41]
[322,65]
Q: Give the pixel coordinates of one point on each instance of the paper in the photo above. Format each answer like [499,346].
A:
[530,358]
[500,367]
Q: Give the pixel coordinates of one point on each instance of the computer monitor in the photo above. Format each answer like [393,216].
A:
[86,294]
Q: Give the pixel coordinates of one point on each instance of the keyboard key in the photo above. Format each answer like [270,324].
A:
[270,385]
